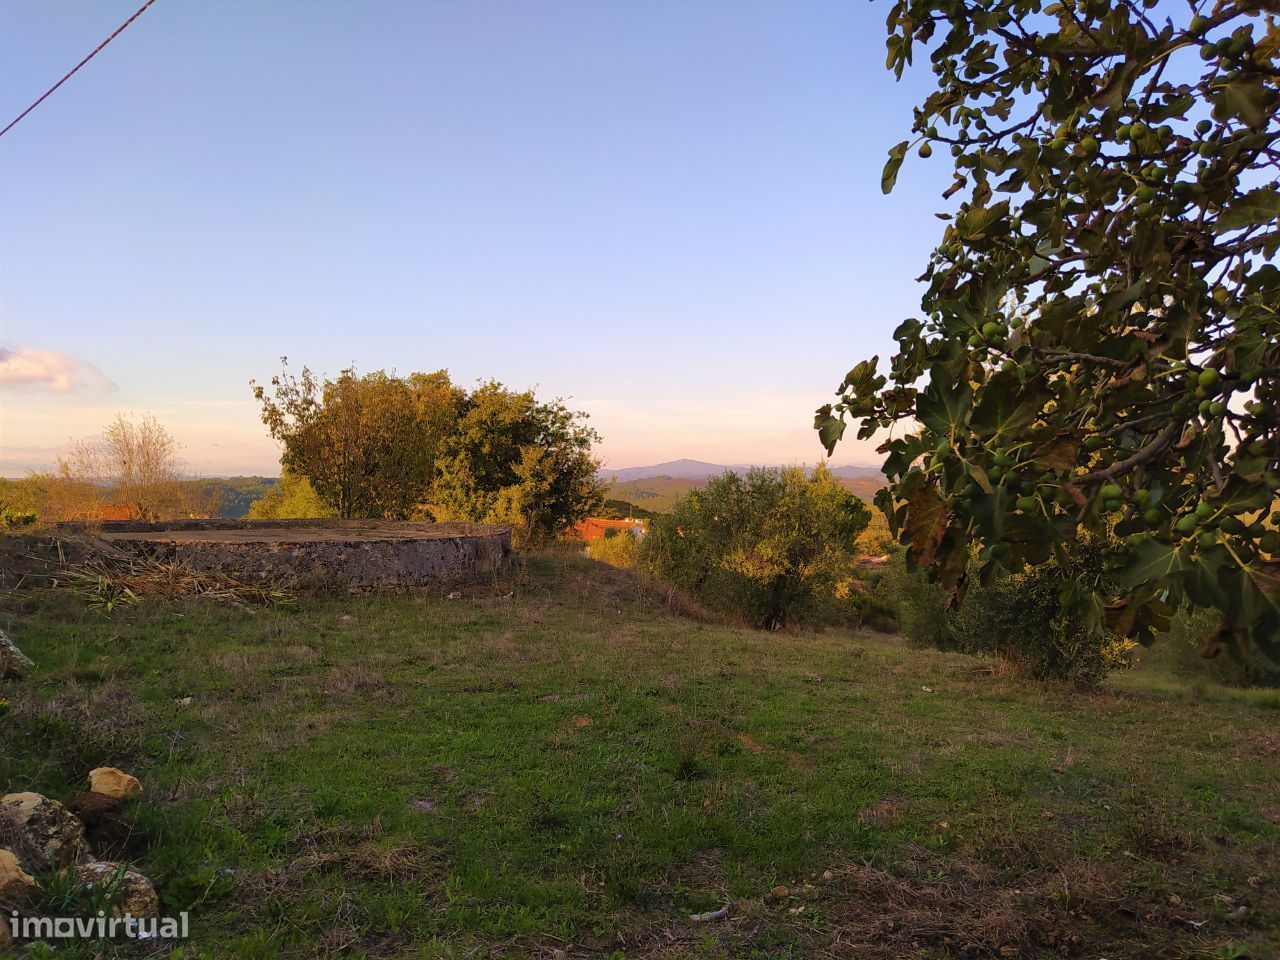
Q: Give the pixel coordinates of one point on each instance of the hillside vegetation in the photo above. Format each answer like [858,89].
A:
[560,763]
[661,494]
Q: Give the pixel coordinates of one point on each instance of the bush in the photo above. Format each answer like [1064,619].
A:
[876,540]
[1019,619]
[1179,652]
[618,548]
[771,546]
[872,610]
[292,498]
[919,606]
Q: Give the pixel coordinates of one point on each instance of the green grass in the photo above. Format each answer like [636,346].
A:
[573,768]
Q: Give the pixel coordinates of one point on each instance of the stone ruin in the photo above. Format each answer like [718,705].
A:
[321,554]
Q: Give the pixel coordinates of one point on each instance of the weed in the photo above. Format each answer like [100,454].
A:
[405,776]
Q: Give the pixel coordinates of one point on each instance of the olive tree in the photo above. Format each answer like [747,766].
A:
[1098,343]
[769,545]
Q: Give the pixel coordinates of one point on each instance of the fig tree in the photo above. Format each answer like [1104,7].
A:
[1142,290]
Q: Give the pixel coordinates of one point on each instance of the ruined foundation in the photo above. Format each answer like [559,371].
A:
[322,554]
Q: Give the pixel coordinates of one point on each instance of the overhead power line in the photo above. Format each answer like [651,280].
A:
[70,73]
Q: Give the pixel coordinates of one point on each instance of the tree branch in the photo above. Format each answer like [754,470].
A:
[1157,446]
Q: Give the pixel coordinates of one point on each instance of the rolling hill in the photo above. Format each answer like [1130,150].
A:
[658,487]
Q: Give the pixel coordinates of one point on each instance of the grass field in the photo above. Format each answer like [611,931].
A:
[573,771]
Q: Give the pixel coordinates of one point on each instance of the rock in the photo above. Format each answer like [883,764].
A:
[114,782]
[125,891]
[48,828]
[109,830]
[14,664]
[17,887]
[93,808]
[710,915]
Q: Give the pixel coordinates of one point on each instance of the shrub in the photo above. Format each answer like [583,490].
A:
[769,545]
[876,540]
[872,610]
[1019,619]
[292,498]
[1180,652]
[618,548]
[919,605]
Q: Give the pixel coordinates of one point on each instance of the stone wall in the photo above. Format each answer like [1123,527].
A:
[322,554]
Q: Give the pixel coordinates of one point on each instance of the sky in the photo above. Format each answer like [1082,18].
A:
[667,212]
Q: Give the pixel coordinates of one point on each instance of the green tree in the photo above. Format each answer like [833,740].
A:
[21,501]
[517,461]
[293,498]
[767,544]
[367,443]
[1098,346]
[623,510]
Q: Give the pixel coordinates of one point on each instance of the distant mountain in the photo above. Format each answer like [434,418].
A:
[858,473]
[700,470]
[690,469]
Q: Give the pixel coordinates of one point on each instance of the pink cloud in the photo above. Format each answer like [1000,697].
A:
[49,370]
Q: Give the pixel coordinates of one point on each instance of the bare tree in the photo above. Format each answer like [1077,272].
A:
[136,460]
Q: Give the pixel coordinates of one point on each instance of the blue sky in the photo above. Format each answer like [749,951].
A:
[668,212]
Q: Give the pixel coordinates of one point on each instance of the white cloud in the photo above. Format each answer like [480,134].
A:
[49,371]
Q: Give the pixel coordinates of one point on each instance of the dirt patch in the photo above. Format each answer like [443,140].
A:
[747,743]
[936,906]
[373,862]
[882,813]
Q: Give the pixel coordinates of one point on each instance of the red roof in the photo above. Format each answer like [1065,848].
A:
[597,528]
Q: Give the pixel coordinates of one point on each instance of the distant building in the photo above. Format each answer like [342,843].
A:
[597,528]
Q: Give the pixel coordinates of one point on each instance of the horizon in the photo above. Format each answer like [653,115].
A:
[604,469]
[567,199]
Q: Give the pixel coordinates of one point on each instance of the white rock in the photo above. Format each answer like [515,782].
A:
[14,664]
